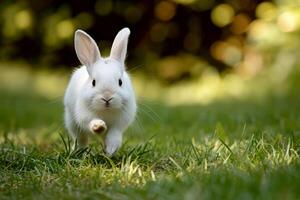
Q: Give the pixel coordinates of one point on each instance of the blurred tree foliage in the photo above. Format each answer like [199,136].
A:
[171,39]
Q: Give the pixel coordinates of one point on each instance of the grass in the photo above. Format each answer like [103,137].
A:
[228,149]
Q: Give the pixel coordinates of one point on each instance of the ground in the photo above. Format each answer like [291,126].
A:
[230,148]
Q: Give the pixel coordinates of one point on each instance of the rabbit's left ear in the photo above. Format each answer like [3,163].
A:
[119,47]
[86,49]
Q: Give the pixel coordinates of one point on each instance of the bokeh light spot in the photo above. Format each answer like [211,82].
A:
[258,30]
[232,55]
[266,11]
[240,24]
[222,15]
[251,64]
[226,52]
[217,49]
[165,10]
[23,19]
[65,29]
[288,22]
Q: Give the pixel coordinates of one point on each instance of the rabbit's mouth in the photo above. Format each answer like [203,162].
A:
[106,106]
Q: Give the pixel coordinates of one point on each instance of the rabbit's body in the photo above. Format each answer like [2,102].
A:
[100,96]
[78,114]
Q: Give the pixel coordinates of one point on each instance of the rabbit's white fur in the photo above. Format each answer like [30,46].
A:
[86,109]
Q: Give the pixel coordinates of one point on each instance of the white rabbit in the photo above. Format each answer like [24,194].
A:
[99,98]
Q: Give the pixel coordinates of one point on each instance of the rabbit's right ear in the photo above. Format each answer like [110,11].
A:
[86,49]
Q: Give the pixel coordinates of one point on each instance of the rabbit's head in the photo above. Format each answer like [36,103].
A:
[108,86]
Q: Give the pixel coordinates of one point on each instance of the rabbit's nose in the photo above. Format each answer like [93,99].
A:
[106,100]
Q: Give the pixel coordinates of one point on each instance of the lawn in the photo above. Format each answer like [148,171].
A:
[228,148]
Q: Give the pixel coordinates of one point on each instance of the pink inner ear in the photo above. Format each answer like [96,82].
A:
[86,48]
[119,47]
[119,51]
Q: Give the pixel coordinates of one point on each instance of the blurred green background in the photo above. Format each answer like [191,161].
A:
[180,51]
[171,40]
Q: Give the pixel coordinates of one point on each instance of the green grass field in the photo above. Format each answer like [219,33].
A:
[247,148]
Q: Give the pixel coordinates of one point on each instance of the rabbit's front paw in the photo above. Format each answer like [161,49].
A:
[97,126]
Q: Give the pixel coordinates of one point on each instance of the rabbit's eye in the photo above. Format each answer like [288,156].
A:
[94,82]
[120,82]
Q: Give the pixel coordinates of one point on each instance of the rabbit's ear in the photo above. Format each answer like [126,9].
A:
[119,47]
[86,49]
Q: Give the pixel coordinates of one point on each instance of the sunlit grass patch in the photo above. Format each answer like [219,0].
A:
[186,168]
